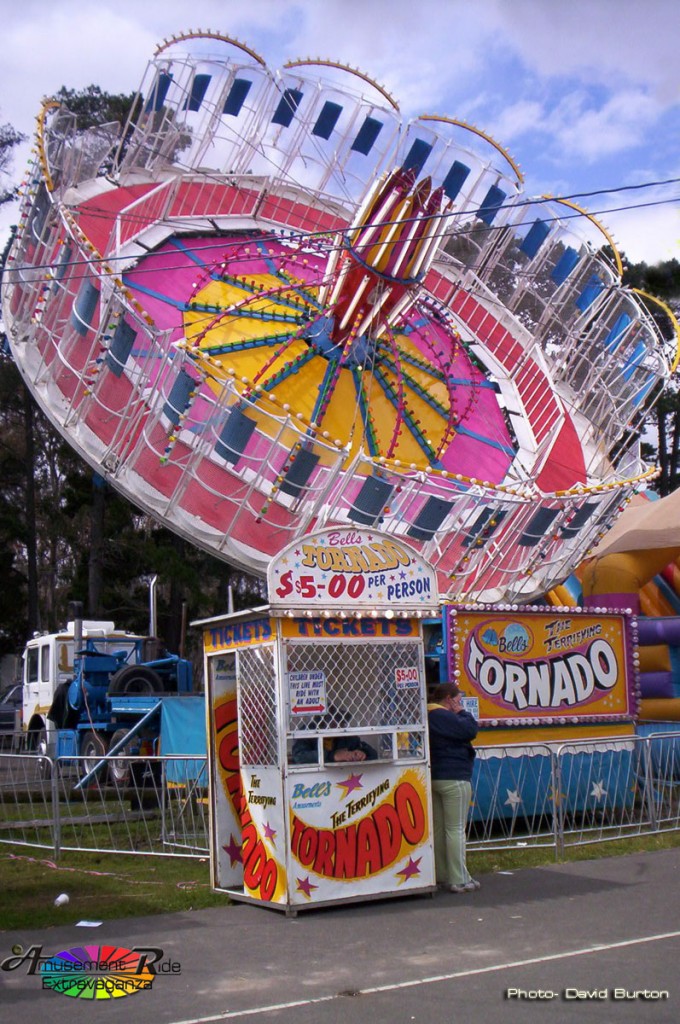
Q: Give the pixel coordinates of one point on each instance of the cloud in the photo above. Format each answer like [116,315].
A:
[645,232]
[567,86]
[518,119]
[582,129]
[609,42]
[99,46]
[420,57]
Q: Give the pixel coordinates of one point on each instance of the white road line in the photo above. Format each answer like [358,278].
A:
[434,979]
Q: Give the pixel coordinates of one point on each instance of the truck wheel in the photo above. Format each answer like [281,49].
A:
[136,679]
[93,749]
[120,771]
[37,744]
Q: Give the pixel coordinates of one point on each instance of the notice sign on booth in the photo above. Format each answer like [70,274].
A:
[307,692]
[407,678]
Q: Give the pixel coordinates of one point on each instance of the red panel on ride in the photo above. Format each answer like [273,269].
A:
[163,476]
[566,466]
[112,406]
[298,215]
[196,199]
[96,216]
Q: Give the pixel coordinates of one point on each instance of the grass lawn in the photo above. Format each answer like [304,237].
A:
[105,887]
[100,887]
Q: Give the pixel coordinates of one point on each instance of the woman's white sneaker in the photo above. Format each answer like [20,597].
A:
[470,886]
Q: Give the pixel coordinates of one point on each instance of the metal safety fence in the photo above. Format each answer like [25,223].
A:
[131,805]
[524,796]
[574,793]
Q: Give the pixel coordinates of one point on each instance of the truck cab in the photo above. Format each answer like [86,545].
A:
[48,661]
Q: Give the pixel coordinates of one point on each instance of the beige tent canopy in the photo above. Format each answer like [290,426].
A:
[644,526]
[644,539]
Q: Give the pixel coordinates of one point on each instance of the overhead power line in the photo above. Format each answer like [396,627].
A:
[567,214]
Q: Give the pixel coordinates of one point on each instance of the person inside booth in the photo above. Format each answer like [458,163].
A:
[336,749]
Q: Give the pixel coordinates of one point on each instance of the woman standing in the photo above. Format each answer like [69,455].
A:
[451,757]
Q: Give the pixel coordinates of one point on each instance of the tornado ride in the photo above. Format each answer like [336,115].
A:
[268,305]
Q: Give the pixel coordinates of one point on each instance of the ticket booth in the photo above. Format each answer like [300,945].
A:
[317,728]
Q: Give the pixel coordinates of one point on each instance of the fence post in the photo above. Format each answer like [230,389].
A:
[164,809]
[558,810]
[648,796]
[56,811]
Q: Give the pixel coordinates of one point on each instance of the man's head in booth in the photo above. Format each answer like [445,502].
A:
[335,748]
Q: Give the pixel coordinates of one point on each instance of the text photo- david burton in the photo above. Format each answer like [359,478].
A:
[598,994]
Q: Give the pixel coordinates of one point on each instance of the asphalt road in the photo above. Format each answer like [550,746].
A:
[589,941]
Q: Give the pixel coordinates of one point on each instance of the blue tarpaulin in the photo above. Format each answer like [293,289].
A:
[183,732]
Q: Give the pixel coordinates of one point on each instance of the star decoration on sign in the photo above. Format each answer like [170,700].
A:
[411,869]
[514,799]
[598,791]
[234,850]
[352,783]
[304,885]
[269,832]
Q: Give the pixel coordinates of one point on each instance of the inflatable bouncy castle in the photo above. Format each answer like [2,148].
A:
[637,567]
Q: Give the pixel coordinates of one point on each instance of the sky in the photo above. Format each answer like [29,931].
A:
[584,94]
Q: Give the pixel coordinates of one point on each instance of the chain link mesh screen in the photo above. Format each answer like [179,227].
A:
[257,707]
[362,695]
[361,688]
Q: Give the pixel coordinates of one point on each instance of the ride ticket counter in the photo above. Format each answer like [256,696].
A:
[317,728]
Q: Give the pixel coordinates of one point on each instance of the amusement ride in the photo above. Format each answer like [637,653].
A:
[268,305]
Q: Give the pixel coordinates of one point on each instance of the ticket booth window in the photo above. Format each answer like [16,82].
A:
[369,690]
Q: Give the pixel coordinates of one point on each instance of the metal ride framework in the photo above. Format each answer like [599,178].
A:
[269,305]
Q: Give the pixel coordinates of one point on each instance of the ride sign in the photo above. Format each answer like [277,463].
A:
[351,568]
[531,666]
